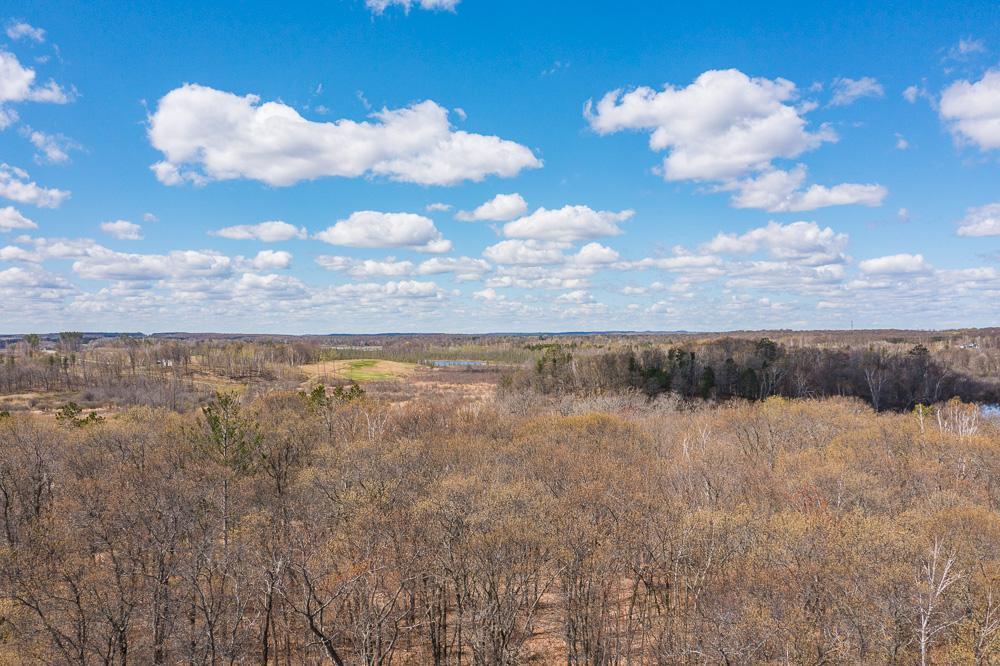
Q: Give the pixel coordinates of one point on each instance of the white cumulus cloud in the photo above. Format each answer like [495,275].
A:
[525,252]
[271,286]
[369,228]
[895,264]
[267,260]
[11,218]
[103,264]
[17,84]
[803,242]
[464,268]
[16,186]
[17,278]
[979,221]
[489,294]
[379,6]
[367,268]
[966,47]
[595,254]
[501,208]
[779,191]
[17,30]
[569,223]
[730,128]
[972,110]
[271,231]
[576,296]
[52,148]
[392,290]
[122,230]
[723,125]
[207,134]
[585,261]
[847,91]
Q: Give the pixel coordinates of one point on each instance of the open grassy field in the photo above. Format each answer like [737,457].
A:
[396,381]
[361,370]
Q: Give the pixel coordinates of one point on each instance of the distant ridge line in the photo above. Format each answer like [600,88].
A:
[91,335]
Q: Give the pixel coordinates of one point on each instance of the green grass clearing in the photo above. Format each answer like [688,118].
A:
[368,370]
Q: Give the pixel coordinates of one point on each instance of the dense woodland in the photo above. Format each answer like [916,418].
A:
[331,527]
[615,501]
[757,369]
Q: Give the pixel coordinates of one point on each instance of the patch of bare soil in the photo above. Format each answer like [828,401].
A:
[546,645]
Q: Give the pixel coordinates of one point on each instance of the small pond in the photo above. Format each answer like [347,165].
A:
[441,364]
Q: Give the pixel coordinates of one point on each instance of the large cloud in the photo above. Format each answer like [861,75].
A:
[721,126]
[207,134]
[104,264]
[972,110]
[369,228]
[729,128]
[569,223]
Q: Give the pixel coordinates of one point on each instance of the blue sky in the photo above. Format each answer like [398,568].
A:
[335,167]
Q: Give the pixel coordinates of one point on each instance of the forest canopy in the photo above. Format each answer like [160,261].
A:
[757,369]
[313,527]
[582,500]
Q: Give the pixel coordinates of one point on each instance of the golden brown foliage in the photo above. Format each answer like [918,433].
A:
[286,531]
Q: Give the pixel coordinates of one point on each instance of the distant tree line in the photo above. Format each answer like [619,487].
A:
[757,369]
[136,362]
